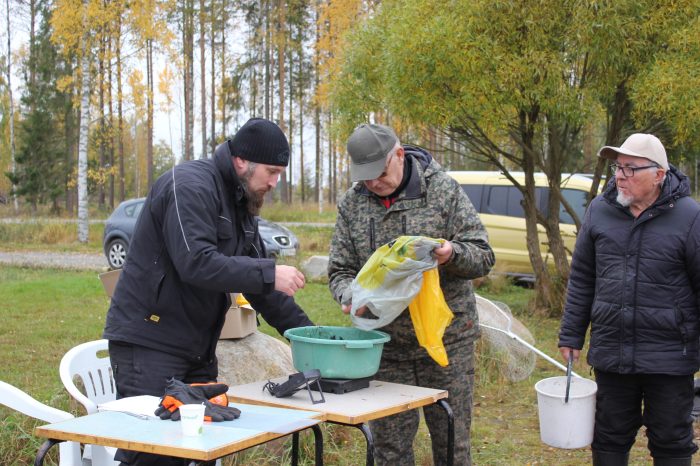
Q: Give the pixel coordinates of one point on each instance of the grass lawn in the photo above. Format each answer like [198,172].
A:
[46,312]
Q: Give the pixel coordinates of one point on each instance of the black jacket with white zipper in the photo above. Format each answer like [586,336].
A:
[194,243]
[636,282]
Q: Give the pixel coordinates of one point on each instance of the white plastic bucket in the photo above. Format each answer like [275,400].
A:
[566,425]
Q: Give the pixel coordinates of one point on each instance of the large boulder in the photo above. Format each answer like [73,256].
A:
[257,357]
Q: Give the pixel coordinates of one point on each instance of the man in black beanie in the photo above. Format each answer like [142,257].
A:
[196,241]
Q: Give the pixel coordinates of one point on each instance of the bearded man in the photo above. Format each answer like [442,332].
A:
[196,241]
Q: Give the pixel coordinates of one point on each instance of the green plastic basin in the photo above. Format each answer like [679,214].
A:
[338,352]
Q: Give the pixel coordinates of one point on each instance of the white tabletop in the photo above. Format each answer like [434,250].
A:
[380,399]
[257,424]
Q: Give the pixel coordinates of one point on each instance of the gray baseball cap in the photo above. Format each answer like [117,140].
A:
[368,147]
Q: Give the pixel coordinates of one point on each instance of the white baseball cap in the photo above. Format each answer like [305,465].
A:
[643,145]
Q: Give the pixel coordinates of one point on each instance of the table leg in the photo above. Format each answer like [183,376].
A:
[43,450]
[370,442]
[318,444]
[295,448]
[318,441]
[450,431]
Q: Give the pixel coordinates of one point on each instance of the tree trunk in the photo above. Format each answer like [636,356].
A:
[32,39]
[543,282]
[137,163]
[281,39]
[302,177]
[83,221]
[331,163]
[223,69]
[618,114]
[110,102]
[69,160]
[268,58]
[149,113]
[212,64]
[188,75]
[11,105]
[556,248]
[317,114]
[290,119]
[203,79]
[103,126]
[120,119]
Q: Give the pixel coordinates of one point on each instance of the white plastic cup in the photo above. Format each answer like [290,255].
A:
[192,419]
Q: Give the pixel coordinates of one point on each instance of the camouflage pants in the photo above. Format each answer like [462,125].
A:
[393,435]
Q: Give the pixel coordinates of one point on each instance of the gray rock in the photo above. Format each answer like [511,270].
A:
[257,357]
[315,267]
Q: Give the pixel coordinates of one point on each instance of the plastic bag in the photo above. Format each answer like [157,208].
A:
[240,300]
[390,279]
[404,274]
[431,315]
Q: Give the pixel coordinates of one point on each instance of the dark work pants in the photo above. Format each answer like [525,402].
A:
[662,403]
[143,371]
[393,435]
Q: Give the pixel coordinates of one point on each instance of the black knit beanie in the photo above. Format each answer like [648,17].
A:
[261,141]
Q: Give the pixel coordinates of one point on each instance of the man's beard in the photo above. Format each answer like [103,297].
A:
[255,199]
[623,200]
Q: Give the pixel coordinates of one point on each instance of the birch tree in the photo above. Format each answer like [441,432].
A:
[74,23]
[83,212]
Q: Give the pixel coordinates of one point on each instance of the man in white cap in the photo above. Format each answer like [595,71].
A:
[635,280]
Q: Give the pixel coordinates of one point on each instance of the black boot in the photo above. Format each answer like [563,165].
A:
[672,461]
[609,458]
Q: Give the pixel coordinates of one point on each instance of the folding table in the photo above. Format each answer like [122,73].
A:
[354,408]
[149,434]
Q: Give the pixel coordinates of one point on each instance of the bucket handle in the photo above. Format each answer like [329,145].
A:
[359,344]
[568,375]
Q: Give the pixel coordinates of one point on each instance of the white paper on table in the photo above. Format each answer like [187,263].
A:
[144,405]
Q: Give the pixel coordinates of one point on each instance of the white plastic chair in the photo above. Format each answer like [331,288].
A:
[14,398]
[95,373]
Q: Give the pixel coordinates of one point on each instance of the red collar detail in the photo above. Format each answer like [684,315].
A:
[387,201]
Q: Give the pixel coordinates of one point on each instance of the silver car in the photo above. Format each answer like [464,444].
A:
[119,227]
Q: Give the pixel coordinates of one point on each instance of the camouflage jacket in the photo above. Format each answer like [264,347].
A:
[432,204]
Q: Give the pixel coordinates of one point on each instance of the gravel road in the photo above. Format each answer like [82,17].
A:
[59,260]
[78,261]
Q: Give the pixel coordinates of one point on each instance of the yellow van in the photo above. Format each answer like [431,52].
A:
[499,205]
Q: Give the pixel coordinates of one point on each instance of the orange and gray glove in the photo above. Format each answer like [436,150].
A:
[211,395]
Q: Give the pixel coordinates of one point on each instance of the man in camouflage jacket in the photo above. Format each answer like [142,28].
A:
[401,190]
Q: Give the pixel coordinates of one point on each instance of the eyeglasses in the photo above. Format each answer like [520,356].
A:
[628,171]
[386,167]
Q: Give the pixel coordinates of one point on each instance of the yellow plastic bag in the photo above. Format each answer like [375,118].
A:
[240,300]
[390,279]
[431,315]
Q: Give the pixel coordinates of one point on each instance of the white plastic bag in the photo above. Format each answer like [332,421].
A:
[391,279]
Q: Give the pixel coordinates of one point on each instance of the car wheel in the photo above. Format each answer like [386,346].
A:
[116,253]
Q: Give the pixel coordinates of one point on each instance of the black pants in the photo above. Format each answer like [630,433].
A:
[662,403]
[143,371]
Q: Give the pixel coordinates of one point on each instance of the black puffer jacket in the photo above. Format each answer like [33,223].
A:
[637,282]
[194,242]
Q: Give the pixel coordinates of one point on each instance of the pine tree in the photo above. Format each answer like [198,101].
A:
[41,170]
